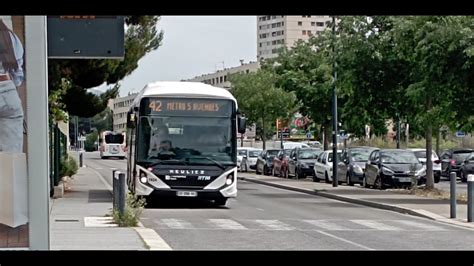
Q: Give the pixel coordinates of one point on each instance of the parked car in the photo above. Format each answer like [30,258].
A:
[467,167]
[280,163]
[314,144]
[352,165]
[265,161]
[451,161]
[421,155]
[393,168]
[292,145]
[301,162]
[249,159]
[323,166]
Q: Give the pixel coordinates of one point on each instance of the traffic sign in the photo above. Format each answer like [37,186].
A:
[460,134]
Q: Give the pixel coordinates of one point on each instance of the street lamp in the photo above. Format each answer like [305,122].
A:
[334,108]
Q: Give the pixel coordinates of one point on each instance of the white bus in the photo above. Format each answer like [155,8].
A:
[182,139]
[112,144]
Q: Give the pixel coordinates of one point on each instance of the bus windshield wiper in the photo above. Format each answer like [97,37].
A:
[220,165]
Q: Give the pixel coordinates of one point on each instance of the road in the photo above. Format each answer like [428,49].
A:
[444,185]
[267,218]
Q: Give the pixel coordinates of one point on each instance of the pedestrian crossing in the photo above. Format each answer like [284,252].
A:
[296,225]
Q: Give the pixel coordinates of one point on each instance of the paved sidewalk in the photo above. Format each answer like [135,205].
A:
[76,220]
[435,209]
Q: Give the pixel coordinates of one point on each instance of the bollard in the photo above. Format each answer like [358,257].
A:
[470,199]
[453,177]
[114,190]
[121,193]
[81,161]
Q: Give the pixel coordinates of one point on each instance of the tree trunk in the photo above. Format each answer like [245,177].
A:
[429,162]
[326,139]
[263,133]
[438,136]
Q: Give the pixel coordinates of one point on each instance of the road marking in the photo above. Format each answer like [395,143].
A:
[177,224]
[344,240]
[259,209]
[99,222]
[275,225]
[227,224]
[376,225]
[327,225]
[152,239]
[428,227]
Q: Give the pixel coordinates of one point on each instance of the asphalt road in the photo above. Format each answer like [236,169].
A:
[267,218]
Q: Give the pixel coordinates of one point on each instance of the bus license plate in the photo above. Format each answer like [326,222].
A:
[187,193]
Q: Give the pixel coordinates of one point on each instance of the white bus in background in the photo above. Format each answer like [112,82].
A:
[112,144]
[182,140]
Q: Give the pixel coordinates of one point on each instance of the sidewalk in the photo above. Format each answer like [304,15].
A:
[435,209]
[78,220]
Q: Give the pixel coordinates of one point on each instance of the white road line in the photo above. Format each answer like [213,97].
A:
[275,225]
[327,225]
[227,224]
[259,209]
[177,224]
[152,239]
[428,227]
[344,240]
[376,225]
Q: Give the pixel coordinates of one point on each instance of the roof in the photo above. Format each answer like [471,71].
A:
[183,89]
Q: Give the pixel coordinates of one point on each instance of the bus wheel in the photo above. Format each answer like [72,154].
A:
[220,202]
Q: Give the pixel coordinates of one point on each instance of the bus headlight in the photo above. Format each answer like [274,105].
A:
[143,177]
[229,180]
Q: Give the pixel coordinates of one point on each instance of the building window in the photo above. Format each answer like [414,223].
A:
[268,17]
[313,23]
[225,78]
[309,16]
[274,34]
[304,32]
[320,24]
[268,43]
[221,79]
[274,17]
[300,23]
[309,33]
[282,23]
[247,71]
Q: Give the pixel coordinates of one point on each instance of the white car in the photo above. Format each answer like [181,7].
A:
[421,155]
[247,158]
[292,145]
[323,166]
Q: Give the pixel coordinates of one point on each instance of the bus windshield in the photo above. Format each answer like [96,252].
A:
[192,140]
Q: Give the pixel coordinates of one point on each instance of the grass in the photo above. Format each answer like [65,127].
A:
[432,193]
[133,210]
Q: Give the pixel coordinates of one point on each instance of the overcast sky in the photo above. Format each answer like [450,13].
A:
[195,45]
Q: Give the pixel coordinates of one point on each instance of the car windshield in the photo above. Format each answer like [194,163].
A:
[461,156]
[254,153]
[287,152]
[399,157]
[308,153]
[360,155]
[272,153]
[241,152]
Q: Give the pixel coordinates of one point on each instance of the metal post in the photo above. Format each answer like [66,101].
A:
[114,190]
[57,158]
[81,162]
[470,199]
[398,131]
[281,137]
[121,193]
[334,109]
[452,176]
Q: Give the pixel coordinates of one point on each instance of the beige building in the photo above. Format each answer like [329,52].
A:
[276,32]
[121,106]
[220,78]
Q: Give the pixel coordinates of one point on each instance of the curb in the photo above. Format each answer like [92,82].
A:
[419,213]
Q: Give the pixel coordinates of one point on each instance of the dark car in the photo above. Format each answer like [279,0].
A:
[467,167]
[352,165]
[393,168]
[265,161]
[451,161]
[280,163]
[301,162]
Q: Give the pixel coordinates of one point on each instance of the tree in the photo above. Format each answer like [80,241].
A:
[261,101]
[439,53]
[141,37]
[306,70]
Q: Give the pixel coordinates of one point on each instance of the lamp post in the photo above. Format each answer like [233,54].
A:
[334,108]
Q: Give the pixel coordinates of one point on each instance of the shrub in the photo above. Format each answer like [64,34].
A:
[68,166]
[133,209]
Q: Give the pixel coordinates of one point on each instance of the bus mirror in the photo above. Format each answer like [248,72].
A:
[130,120]
[241,124]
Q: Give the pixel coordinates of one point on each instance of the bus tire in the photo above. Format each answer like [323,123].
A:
[220,201]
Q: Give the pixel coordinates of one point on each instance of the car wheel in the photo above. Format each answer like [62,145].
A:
[463,176]
[285,173]
[326,178]
[348,180]
[364,183]
[265,170]
[437,178]
[378,183]
[300,175]
[256,170]
[273,171]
